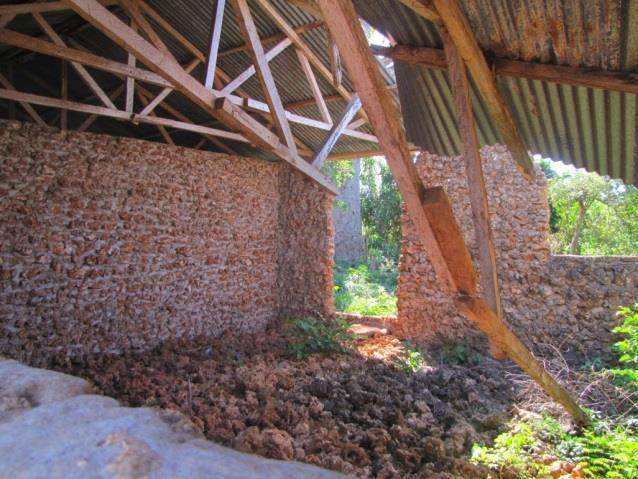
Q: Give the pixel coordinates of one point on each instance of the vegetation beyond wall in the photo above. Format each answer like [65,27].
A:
[111,244]
[566,301]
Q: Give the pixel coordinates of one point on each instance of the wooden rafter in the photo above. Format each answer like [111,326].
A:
[250,71]
[475,181]
[160,128]
[213,49]
[454,20]
[251,37]
[132,9]
[423,8]
[22,97]
[91,118]
[561,74]
[428,209]
[10,37]
[4,81]
[42,7]
[78,67]
[161,96]
[333,135]
[314,87]
[165,65]
[308,6]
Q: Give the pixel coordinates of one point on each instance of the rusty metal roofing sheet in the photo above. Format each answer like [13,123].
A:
[590,128]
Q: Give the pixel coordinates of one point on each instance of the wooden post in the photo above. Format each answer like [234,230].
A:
[211,61]
[64,93]
[475,181]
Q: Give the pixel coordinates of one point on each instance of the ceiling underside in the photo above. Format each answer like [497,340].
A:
[590,128]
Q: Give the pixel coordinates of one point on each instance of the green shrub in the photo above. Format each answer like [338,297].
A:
[312,335]
[627,348]
[411,359]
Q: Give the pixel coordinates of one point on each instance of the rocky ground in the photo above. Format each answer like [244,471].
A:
[354,413]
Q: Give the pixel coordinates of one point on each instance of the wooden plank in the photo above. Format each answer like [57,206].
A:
[272,38]
[160,128]
[423,8]
[79,68]
[459,29]
[47,48]
[180,116]
[132,9]
[480,313]
[250,71]
[314,88]
[251,37]
[385,118]
[211,59]
[476,184]
[41,7]
[161,96]
[28,108]
[64,93]
[14,95]
[164,64]
[563,75]
[349,112]
[91,118]
[130,84]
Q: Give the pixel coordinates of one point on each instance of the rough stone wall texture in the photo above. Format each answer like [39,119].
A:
[350,244]
[306,248]
[562,300]
[111,244]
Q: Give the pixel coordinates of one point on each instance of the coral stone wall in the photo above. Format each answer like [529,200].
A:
[563,300]
[111,244]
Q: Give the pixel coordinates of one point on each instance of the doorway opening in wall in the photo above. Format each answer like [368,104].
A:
[367,219]
[590,215]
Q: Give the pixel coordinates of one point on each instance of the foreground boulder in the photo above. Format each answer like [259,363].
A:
[51,426]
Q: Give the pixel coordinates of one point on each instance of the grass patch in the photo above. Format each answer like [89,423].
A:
[358,289]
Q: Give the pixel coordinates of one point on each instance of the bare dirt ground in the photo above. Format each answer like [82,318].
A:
[354,413]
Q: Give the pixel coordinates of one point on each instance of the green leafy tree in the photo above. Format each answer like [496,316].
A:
[593,215]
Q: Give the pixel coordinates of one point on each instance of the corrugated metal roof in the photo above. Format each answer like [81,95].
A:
[589,128]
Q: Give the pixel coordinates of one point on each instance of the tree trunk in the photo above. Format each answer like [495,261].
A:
[574,246]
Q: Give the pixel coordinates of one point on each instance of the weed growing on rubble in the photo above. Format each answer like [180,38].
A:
[312,335]
[411,359]
[607,448]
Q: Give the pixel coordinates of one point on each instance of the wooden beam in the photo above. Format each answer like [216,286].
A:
[129,102]
[385,118]
[270,39]
[453,18]
[64,93]
[19,40]
[251,37]
[250,71]
[132,9]
[423,8]
[28,108]
[91,118]
[211,59]
[6,20]
[480,313]
[563,75]
[79,68]
[335,62]
[475,181]
[165,65]
[21,97]
[42,7]
[348,114]
[160,128]
[314,88]
[161,96]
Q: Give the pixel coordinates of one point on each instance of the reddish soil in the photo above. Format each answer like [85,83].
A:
[354,413]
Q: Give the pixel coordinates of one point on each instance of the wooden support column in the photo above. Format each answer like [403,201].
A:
[453,18]
[475,181]
[211,60]
[130,84]
[333,135]
[251,36]
[428,209]
[64,93]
